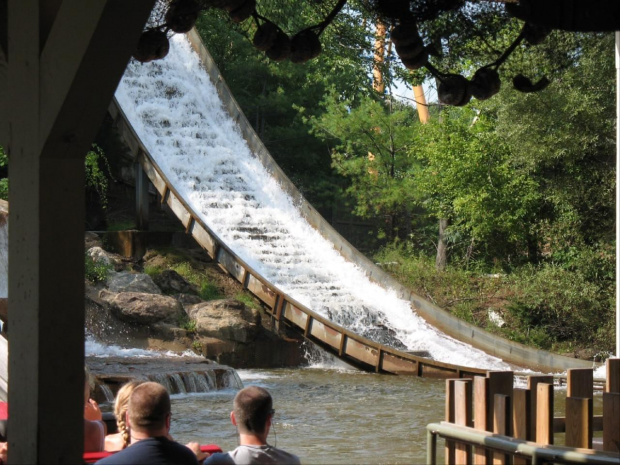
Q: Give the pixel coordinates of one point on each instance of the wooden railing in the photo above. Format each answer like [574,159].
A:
[488,420]
[352,348]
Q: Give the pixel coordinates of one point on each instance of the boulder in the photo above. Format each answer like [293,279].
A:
[226,319]
[126,281]
[171,282]
[143,308]
[99,255]
[91,240]
[188,299]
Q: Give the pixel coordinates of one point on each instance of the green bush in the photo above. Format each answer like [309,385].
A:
[562,304]
[209,291]
[95,272]
[152,271]
[246,299]
[187,324]
[96,179]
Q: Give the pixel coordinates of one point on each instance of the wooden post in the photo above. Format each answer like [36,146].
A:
[142,198]
[500,382]
[611,407]
[580,383]
[449,417]
[613,375]
[579,419]
[521,411]
[481,394]
[64,62]
[502,422]
[611,421]
[532,383]
[463,416]
[544,413]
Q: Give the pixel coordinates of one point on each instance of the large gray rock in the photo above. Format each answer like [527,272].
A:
[126,281]
[226,319]
[99,255]
[171,282]
[143,308]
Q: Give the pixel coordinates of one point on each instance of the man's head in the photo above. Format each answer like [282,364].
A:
[252,408]
[148,411]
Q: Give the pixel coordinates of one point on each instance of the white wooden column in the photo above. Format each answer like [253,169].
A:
[65,58]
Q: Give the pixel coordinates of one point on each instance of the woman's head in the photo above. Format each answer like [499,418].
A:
[120,407]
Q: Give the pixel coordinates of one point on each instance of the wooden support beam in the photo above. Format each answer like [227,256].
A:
[613,375]
[463,416]
[580,383]
[579,425]
[500,382]
[48,141]
[544,413]
[532,383]
[481,395]
[611,421]
[521,405]
[449,416]
[502,422]
[142,198]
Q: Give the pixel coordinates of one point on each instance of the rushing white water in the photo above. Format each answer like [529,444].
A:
[93,348]
[175,110]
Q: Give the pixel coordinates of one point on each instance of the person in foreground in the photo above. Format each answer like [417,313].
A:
[252,414]
[148,420]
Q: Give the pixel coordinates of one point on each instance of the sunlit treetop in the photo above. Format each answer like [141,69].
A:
[430,37]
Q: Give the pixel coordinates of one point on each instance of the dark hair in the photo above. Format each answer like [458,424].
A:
[149,406]
[252,407]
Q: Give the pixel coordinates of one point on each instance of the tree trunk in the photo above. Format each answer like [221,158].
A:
[379,58]
[442,250]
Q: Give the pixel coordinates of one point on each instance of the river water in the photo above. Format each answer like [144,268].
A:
[325,415]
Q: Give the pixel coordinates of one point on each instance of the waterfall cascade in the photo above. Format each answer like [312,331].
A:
[179,374]
[175,110]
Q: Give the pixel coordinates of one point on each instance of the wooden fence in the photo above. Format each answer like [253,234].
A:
[492,404]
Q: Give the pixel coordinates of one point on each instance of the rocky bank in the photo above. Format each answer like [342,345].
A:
[126,306]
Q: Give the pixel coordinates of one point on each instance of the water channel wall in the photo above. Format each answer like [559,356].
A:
[507,350]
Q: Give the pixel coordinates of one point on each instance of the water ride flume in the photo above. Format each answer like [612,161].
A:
[209,166]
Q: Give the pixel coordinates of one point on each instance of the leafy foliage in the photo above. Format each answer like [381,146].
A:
[96,165]
[371,146]
[95,271]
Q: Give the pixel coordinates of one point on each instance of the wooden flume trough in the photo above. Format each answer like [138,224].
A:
[352,348]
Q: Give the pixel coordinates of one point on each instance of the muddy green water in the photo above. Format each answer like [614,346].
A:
[325,416]
[333,416]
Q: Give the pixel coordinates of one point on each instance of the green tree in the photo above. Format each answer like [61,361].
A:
[466,176]
[371,145]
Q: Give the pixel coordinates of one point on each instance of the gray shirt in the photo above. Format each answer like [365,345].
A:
[253,455]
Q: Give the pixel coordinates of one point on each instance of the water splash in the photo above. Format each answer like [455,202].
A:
[177,380]
[95,348]
[107,392]
[176,111]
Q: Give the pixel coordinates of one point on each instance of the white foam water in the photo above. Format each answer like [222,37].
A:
[93,348]
[175,110]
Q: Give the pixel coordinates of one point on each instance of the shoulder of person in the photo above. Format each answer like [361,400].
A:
[219,458]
